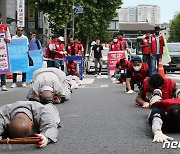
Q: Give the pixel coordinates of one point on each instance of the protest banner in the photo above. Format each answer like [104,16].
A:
[37,60]
[78,59]
[4,56]
[18,55]
[113,57]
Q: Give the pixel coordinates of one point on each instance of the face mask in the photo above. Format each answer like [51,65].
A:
[157,33]
[137,68]
[115,40]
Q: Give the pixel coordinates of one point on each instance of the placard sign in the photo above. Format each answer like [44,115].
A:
[113,57]
[4,56]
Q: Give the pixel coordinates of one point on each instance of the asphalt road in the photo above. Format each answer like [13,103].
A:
[100,118]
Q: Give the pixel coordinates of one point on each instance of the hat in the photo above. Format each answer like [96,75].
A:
[136,59]
[61,38]
[30,33]
[46,88]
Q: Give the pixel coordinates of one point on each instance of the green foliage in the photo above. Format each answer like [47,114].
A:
[175,29]
[92,23]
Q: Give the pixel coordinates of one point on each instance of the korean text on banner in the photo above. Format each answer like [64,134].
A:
[113,57]
[78,59]
[4,56]
[18,55]
[38,60]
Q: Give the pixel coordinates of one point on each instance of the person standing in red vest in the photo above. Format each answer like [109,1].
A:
[136,73]
[7,39]
[50,51]
[115,46]
[156,81]
[72,49]
[122,43]
[59,54]
[72,68]
[79,47]
[146,49]
[157,43]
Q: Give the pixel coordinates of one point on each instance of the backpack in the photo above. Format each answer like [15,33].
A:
[37,42]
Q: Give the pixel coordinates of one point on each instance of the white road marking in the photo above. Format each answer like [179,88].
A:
[71,116]
[104,85]
[102,77]
[87,81]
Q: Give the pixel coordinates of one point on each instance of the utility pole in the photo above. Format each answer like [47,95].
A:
[73,7]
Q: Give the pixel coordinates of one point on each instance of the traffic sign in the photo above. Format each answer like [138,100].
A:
[78,10]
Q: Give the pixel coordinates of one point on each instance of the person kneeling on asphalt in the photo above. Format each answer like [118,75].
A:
[49,84]
[164,115]
[156,81]
[136,73]
[72,68]
[120,71]
[27,119]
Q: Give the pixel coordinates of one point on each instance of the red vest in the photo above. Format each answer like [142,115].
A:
[49,54]
[80,47]
[166,89]
[125,66]
[122,44]
[167,103]
[3,27]
[154,44]
[69,49]
[60,48]
[146,49]
[139,75]
[115,46]
[72,70]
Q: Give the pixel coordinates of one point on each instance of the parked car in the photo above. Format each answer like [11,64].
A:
[174,65]
[90,65]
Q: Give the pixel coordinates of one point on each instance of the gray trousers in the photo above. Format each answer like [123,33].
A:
[98,60]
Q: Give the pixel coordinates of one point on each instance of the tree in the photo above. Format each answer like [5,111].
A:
[92,23]
[175,29]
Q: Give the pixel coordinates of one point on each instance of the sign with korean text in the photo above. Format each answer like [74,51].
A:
[113,57]
[4,57]
[31,12]
[20,13]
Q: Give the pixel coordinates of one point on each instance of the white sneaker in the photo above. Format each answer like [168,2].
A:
[99,74]
[3,88]
[13,85]
[24,85]
[95,75]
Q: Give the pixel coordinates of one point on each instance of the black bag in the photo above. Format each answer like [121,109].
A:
[31,63]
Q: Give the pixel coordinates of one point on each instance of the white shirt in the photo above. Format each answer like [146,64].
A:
[22,36]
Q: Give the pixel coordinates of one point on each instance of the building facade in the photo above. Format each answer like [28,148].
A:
[140,13]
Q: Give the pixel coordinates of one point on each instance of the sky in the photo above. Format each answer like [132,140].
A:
[168,8]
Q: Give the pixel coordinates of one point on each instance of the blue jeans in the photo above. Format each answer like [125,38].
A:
[59,63]
[155,63]
[50,63]
[3,79]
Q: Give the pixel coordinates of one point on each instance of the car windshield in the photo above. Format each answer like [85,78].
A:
[105,52]
[174,47]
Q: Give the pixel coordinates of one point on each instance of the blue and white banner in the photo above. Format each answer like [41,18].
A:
[18,55]
[37,60]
